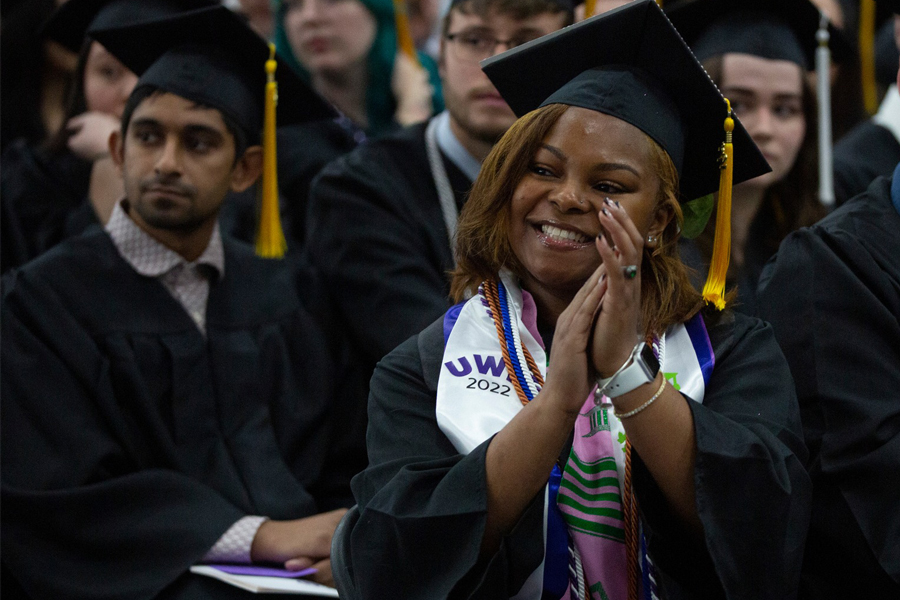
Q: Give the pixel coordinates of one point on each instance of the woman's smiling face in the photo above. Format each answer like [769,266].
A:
[587,156]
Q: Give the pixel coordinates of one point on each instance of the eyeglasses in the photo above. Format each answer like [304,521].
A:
[475,46]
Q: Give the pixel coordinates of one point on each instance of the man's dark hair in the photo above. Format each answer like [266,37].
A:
[241,138]
[517,9]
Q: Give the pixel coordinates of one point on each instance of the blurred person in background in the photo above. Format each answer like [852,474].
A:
[832,295]
[349,50]
[35,76]
[382,218]
[872,148]
[758,53]
[53,190]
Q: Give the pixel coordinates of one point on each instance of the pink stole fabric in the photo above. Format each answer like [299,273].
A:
[591,503]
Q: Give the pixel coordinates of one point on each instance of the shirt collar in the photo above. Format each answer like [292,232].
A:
[149,257]
[888,115]
[454,150]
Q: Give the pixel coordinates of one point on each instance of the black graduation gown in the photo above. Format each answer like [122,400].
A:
[866,152]
[423,505]
[840,332]
[377,234]
[43,200]
[131,442]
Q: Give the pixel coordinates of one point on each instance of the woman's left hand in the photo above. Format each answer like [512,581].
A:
[90,134]
[617,329]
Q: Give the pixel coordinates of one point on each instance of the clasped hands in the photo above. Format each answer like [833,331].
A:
[597,332]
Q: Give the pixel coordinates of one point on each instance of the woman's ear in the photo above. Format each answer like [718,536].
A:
[665,212]
[247,169]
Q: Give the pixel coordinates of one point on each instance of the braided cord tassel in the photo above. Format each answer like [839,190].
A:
[630,514]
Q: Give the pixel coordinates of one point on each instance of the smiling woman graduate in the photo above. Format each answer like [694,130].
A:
[581,427]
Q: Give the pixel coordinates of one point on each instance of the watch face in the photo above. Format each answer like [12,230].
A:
[649,359]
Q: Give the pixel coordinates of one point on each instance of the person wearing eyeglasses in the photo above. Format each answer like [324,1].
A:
[382,217]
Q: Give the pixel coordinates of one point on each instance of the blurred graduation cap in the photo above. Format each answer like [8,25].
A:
[212,57]
[771,29]
[75,19]
[630,63]
[791,30]
[872,14]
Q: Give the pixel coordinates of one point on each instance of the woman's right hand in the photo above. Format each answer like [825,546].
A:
[570,373]
[411,88]
[90,134]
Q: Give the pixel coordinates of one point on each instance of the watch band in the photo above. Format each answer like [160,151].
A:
[640,368]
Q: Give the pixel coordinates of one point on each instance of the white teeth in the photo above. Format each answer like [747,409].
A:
[563,235]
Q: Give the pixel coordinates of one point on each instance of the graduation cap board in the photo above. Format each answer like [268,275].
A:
[212,57]
[75,19]
[630,63]
[772,29]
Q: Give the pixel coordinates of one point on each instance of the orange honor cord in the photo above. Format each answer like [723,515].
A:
[714,290]
[270,242]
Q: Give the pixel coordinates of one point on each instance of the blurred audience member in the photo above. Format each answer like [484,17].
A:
[832,294]
[35,76]
[758,53]
[51,191]
[872,148]
[349,50]
[382,218]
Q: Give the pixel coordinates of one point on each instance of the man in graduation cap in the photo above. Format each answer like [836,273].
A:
[49,192]
[832,294]
[382,219]
[167,399]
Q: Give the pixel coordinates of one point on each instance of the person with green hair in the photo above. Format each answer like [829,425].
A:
[349,51]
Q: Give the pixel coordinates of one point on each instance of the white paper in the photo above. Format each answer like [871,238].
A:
[268,585]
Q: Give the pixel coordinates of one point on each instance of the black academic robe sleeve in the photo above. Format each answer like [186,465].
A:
[752,489]
[39,192]
[840,332]
[423,505]
[377,235]
[81,521]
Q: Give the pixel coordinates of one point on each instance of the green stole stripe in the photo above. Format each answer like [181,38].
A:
[599,511]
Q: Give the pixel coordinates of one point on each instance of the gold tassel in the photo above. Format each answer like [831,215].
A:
[714,290]
[404,37]
[867,55]
[589,8]
[270,242]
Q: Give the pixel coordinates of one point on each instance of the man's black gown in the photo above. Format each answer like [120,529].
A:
[833,297]
[423,505]
[131,442]
[378,237]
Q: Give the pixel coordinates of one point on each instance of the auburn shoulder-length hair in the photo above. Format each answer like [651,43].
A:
[482,239]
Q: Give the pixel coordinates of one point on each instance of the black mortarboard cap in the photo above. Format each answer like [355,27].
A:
[771,29]
[631,63]
[211,56]
[75,19]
